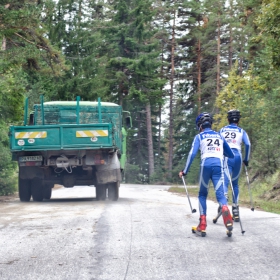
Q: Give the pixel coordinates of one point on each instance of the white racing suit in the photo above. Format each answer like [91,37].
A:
[235,136]
[213,148]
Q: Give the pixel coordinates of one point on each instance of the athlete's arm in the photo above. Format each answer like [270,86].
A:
[247,144]
[192,153]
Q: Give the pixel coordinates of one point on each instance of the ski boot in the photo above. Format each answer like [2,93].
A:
[235,213]
[227,220]
[201,228]
[218,215]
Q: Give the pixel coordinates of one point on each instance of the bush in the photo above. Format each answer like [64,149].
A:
[8,182]
[132,174]
[8,175]
[159,178]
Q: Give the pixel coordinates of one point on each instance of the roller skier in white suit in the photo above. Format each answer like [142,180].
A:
[213,148]
[235,136]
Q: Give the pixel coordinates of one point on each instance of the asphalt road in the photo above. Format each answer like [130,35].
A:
[145,235]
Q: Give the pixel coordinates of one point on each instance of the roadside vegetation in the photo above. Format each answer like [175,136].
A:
[265,193]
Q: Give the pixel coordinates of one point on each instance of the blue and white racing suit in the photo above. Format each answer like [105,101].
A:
[213,148]
[235,136]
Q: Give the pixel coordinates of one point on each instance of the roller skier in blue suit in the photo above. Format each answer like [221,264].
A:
[235,136]
[213,148]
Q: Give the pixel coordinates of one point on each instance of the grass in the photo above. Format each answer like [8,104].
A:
[265,193]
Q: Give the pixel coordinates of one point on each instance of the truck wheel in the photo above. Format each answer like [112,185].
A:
[48,191]
[37,190]
[100,192]
[24,190]
[113,191]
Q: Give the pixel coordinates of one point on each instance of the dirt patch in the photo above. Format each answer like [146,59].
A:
[272,195]
[6,198]
[12,197]
[56,186]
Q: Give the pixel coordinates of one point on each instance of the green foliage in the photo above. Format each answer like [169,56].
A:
[158,178]
[28,63]
[193,175]
[255,99]
[12,89]
[268,22]
[133,174]
[24,42]
[8,179]
[244,93]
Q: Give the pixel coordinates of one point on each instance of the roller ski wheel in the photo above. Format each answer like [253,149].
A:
[217,217]
[236,219]
[229,233]
[235,213]
[201,233]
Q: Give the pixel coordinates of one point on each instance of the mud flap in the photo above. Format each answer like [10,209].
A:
[109,172]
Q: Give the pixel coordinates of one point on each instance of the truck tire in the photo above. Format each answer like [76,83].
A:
[113,191]
[37,189]
[48,191]
[100,192]
[24,190]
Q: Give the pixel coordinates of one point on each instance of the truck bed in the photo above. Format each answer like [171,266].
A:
[61,137]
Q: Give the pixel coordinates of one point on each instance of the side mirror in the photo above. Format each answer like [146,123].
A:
[128,122]
[31,119]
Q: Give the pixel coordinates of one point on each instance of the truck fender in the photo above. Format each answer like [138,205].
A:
[31,172]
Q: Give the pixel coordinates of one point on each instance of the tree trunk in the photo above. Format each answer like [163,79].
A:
[170,148]
[241,63]
[218,55]
[159,135]
[4,42]
[120,98]
[199,75]
[230,37]
[150,140]
[160,107]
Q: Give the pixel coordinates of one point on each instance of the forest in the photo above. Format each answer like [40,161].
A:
[164,61]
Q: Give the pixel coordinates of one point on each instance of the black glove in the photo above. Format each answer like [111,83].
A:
[246,162]
[183,174]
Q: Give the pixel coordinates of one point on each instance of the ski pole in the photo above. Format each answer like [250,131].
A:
[193,210]
[242,231]
[220,208]
[249,189]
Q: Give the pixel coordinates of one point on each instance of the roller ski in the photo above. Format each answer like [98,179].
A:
[227,220]
[235,213]
[201,228]
[218,215]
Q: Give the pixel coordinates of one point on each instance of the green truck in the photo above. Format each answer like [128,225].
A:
[70,143]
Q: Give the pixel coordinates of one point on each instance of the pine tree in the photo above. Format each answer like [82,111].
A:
[75,28]
[268,23]
[26,57]
[132,71]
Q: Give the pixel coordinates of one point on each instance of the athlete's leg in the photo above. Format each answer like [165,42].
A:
[228,167]
[236,171]
[218,182]
[205,173]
